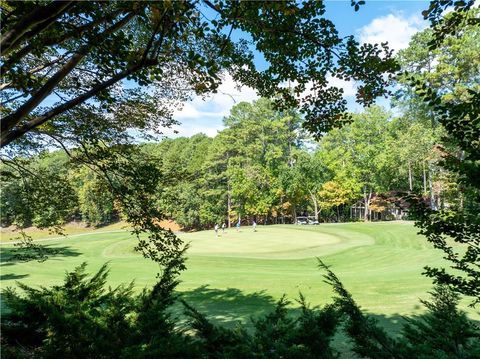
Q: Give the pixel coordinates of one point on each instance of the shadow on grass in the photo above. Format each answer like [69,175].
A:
[12,276]
[12,255]
[229,307]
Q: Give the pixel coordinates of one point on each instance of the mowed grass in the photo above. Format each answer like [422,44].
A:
[241,274]
[10,234]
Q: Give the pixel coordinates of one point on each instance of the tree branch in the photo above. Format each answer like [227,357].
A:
[8,137]
[10,121]
[76,32]
[35,70]
[235,17]
[38,19]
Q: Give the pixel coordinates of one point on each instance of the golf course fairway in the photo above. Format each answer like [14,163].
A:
[238,275]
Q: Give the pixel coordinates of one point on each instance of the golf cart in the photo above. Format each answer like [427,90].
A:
[306,220]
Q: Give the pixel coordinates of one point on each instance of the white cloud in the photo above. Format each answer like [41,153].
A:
[206,114]
[396,29]
[349,88]
[190,129]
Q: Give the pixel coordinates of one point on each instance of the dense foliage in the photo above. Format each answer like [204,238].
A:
[104,58]
[443,87]
[82,318]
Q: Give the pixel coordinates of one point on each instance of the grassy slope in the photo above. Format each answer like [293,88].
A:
[7,234]
[242,274]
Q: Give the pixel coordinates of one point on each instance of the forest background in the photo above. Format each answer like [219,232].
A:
[265,166]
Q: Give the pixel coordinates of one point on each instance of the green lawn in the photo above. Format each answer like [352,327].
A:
[242,274]
[7,234]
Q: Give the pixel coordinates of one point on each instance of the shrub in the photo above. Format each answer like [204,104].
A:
[84,319]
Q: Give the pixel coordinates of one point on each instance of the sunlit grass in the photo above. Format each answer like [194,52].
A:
[241,274]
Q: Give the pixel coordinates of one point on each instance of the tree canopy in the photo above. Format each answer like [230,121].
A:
[262,166]
[141,57]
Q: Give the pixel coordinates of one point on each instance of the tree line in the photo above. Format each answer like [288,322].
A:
[265,164]
[261,166]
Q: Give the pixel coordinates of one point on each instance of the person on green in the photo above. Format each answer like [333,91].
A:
[254,225]
[238,226]
[216,230]
[223,227]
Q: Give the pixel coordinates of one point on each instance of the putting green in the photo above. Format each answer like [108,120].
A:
[239,274]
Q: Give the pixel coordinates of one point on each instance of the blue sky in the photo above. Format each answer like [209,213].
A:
[376,21]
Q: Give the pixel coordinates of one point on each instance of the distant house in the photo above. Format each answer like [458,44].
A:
[384,207]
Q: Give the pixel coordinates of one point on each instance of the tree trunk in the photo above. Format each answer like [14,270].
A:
[424,178]
[439,204]
[282,209]
[315,205]
[367,198]
[410,179]
[229,205]
[430,185]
